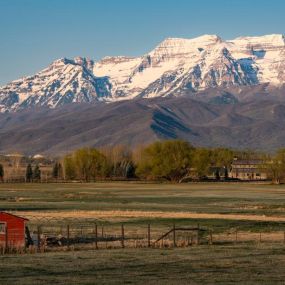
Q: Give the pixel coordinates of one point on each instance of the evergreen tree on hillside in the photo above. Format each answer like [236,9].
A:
[1,172]
[29,173]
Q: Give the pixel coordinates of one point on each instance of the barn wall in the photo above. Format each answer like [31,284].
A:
[16,231]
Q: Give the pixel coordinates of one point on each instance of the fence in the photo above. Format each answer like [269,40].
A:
[53,237]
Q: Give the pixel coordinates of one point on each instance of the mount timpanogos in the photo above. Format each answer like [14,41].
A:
[176,66]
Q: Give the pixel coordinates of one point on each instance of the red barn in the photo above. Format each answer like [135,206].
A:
[12,230]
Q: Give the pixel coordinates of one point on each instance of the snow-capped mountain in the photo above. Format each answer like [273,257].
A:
[64,81]
[173,67]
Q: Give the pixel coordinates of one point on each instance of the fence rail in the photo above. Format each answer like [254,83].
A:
[54,237]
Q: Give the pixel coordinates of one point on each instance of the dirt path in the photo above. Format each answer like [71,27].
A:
[109,215]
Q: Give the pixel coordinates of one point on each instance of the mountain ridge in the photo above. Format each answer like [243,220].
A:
[249,124]
[174,67]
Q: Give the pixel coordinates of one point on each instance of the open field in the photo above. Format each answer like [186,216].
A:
[242,264]
[222,207]
[238,204]
[238,198]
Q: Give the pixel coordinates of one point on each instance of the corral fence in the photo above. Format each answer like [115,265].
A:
[71,235]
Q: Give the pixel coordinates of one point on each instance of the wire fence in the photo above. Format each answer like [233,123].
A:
[51,236]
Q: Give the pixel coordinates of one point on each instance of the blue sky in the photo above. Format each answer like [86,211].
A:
[33,33]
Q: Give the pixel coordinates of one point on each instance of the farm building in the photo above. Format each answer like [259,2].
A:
[214,170]
[252,169]
[12,230]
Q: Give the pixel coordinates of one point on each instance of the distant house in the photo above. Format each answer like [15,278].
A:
[215,171]
[12,230]
[251,169]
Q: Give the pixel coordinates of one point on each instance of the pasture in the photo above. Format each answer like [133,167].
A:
[222,207]
[242,264]
[249,206]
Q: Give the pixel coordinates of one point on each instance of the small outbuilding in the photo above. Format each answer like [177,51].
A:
[12,230]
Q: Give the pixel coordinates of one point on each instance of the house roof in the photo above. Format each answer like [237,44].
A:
[18,217]
[248,162]
[248,170]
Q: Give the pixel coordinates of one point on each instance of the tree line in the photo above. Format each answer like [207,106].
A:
[172,160]
[31,175]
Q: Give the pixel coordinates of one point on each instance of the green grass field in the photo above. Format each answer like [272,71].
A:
[260,206]
[201,197]
[216,198]
[241,264]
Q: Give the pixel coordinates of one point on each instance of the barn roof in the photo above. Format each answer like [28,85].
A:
[18,217]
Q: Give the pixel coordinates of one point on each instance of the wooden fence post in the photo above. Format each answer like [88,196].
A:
[211,237]
[102,232]
[148,235]
[96,236]
[174,236]
[260,237]
[236,235]
[6,238]
[123,236]
[198,234]
[39,238]
[68,236]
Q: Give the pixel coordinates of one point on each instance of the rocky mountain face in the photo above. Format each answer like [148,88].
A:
[175,67]
[64,81]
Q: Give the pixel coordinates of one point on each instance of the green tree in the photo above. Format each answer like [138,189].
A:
[57,170]
[202,160]
[37,173]
[130,170]
[222,157]
[247,154]
[69,168]
[226,173]
[85,164]
[29,173]
[89,163]
[170,160]
[276,166]
[118,161]
[1,173]
[217,174]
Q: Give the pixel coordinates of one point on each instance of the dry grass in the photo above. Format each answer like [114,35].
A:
[119,214]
